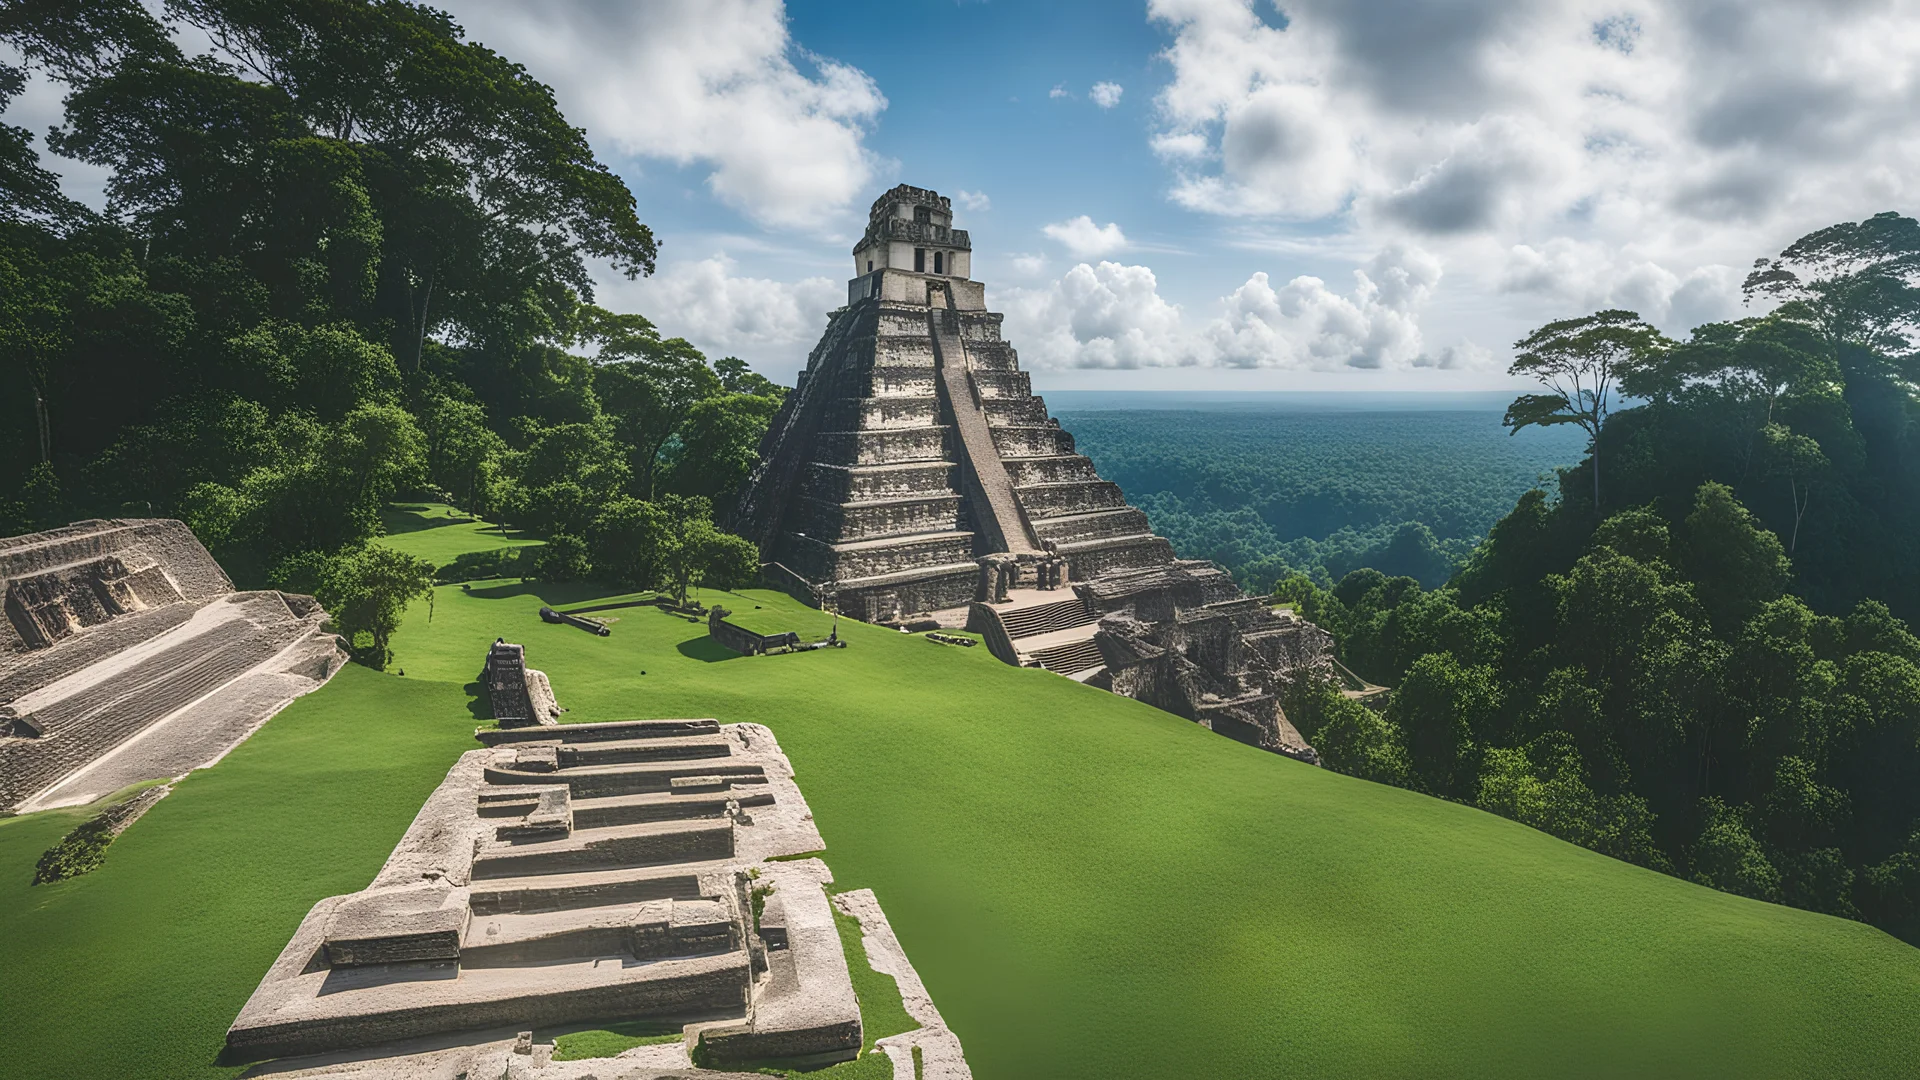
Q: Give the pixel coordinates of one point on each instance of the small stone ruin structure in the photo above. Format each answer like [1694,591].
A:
[742,640]
[126,655]
[913,474]
[574,875]
[520,696]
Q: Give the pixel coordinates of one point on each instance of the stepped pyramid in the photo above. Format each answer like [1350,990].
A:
[914,445]
[912,473]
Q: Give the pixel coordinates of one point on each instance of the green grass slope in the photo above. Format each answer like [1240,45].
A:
[1089,887]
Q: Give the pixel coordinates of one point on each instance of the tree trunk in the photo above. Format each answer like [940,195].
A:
[1596,473]
[420,339]
[46,425]
[1799,511]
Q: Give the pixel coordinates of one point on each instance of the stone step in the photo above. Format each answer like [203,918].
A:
[1032,441]
[1001,384]
[893,380]
[1100,524]
[992,355]
[820,560]
[1070,498]
[1028,621]
[601,781]
[612,752]
[873,519]
[883,447]
[605,730]
[649,843]
[592,888]
[1051,469]
[1023,411]
[611,811]
[882,413]
[1065,657]
[859,483]
[1091,558]
[648,930]
[308,1011]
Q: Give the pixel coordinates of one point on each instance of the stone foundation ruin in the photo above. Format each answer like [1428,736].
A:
[126,655]
[912,474]
[574,875]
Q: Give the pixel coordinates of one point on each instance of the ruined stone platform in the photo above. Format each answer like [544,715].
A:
[572,875]
[125,655]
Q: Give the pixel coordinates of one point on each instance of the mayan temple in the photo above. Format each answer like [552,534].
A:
[912,474]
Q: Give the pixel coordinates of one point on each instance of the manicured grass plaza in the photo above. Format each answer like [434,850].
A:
[1089,887]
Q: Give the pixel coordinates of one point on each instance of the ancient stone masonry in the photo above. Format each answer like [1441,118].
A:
[571,876]
[520,696]
[913,474]
[126,655]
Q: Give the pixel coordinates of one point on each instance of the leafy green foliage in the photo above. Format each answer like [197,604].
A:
[1670,683]
[364,589]
[78,852]
[345,258]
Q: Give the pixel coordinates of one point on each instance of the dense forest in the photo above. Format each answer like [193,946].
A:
[344,258]
[1271,490]
[1692,654]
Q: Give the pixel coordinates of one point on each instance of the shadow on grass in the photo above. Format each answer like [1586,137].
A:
[553,592]
[406,518]
[658,601]
[478,702]
[707,650]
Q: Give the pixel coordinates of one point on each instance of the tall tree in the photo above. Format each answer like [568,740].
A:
[1580,361]
[1860,281]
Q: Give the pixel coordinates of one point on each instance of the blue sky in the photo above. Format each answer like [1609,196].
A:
[1351,194]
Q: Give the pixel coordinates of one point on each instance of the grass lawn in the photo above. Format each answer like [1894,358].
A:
[1089,887]
[438,533]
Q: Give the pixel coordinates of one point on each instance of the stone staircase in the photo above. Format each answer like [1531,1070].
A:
[1036,628]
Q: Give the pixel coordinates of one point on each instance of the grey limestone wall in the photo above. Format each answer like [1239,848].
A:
[1123,521]
[820,561]
[1015,411]
[1002,384]
[844,483]
[841,522]
[1071,497]
[1061,469]
[892,602]
[1032,441]
[883,413]
[1135,554]
[882,447]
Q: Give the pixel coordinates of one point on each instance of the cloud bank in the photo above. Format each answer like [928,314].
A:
[1110,315]
[717,84]
[1558,153]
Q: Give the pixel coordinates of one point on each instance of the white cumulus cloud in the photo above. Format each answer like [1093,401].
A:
[1083,239]
[1106,316]
[1553,154]
[973,200]
[718,84]
[1304,324]
[1110,315]
[721,312]
[1106,94]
